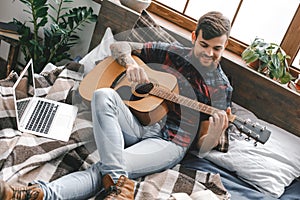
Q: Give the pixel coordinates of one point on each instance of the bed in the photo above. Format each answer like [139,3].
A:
[269,171]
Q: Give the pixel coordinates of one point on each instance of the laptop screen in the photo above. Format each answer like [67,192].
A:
[23,89]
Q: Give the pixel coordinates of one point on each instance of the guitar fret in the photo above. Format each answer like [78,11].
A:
[181,100]
[189,103]
[169,96]
[195,104]
[202,108]
[209,110]
[172,97]
[175,98]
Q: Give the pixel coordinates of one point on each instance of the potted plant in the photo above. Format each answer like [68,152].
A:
[270,59]
[58,37]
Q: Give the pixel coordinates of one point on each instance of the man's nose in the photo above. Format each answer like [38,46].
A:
[209,51]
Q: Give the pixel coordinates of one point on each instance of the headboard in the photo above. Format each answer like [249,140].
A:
[269,100]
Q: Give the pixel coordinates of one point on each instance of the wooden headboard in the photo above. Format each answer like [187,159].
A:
[268,99]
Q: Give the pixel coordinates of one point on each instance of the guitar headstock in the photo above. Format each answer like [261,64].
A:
[253,130]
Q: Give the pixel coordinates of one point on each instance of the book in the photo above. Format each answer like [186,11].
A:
[8,27]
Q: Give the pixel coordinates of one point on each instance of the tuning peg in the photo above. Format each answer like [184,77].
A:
[241,127]
[263,128]
[255,124]
[247,139]
[247,121]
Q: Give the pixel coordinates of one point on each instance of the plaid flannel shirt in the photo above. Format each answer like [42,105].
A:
[182,125]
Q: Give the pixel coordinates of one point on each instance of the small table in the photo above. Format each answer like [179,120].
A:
[13,40]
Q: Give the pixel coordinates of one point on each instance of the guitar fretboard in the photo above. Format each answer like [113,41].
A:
[182,100]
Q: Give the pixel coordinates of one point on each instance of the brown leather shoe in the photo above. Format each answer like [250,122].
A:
[122,190]
[8,192]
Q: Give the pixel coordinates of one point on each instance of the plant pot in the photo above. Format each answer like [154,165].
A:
[254,65]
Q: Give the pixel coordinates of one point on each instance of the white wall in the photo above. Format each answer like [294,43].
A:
[10,9]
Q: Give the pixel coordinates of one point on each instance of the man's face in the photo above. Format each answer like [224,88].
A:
[208,52]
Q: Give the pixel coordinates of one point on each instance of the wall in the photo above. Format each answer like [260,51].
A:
[10,9]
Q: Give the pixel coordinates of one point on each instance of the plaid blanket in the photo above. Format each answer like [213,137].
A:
[25,157]
[180,183]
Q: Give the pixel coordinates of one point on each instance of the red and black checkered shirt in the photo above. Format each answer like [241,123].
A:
[182,123]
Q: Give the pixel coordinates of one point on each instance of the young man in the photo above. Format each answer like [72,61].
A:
[129,150]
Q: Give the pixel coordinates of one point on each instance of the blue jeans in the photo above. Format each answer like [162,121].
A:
[125,148]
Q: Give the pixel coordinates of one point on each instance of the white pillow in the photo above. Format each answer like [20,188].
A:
[269,167]
[98,53]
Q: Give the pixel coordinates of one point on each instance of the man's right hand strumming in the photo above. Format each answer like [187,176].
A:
[121,52]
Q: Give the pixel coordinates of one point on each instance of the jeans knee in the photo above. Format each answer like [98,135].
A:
[102,94]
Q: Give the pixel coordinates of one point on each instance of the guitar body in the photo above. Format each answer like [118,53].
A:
[148,108]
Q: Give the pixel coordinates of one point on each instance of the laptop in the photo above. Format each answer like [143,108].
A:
[40,116]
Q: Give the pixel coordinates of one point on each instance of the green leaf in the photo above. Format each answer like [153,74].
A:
[52,18]
[29,12]
[42,12]
[252,58]
[39,3]
[264,58]
[27,3]
[71,22]
[249,56]
[275,61]
[43,22]
[93,18]
[68,1]
[286,78]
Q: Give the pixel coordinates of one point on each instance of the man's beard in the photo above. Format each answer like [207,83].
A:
[205,68]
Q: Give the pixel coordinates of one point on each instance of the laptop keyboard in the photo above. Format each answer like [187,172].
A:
[42,117]
[21,105]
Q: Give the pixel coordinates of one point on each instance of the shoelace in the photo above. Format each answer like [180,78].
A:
[113,190]
[24,194]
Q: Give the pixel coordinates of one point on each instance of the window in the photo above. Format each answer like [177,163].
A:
[275,21]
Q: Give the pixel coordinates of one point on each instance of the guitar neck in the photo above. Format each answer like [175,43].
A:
[182,100]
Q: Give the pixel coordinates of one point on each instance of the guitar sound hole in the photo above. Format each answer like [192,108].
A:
[126,94]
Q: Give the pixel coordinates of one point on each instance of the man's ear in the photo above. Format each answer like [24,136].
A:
[194,37]
[226,43]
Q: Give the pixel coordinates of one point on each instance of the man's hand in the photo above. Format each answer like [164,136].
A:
[121,51]
[136,73]
[211,130]
[218,123]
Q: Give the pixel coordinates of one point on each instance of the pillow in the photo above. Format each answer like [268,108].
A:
[269,167]
[98,53]
[146,29]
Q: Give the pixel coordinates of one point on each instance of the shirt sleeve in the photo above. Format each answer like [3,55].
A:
[154,52]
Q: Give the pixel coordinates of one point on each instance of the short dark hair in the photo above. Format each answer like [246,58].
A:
[213,24]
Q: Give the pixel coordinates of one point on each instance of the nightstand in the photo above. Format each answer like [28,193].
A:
[13,40]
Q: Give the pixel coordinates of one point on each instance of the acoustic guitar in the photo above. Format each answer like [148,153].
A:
[148,102]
